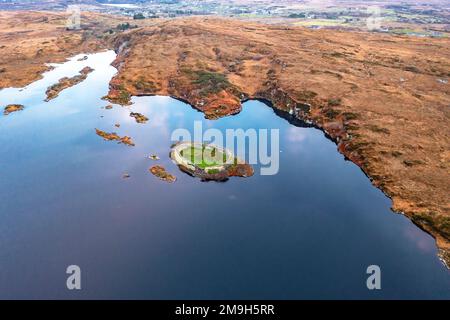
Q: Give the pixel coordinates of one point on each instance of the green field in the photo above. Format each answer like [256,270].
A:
[204,157]
[320,22]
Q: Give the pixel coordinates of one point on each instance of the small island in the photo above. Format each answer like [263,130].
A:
[10,108]
[54,90]
[115,137]
[161,173]
[140,118]
[208,162]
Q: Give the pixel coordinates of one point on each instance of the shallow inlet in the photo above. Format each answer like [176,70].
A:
[308,232]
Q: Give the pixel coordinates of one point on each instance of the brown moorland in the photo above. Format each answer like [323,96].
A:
[29,40]
[383,99]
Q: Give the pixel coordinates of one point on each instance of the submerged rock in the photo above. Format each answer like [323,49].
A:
[162,174]
[125,176]
[12,108]
[115,137]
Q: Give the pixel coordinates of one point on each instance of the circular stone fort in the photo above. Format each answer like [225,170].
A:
[208,162]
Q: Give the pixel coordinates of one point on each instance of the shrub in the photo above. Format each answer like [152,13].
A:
[334,102]
[330,113]
[209,82]
[125,26]
[377,129]
[350,116]
[138,16]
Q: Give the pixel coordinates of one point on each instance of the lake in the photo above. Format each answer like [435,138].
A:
[309,231]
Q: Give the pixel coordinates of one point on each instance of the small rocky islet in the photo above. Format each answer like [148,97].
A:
[10,108]
[115,137]
[153,157]
[161,173]
[54,90]
[140,118]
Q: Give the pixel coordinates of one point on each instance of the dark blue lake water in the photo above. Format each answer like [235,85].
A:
[309,231]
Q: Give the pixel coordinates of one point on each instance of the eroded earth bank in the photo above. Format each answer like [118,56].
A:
[383,99]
